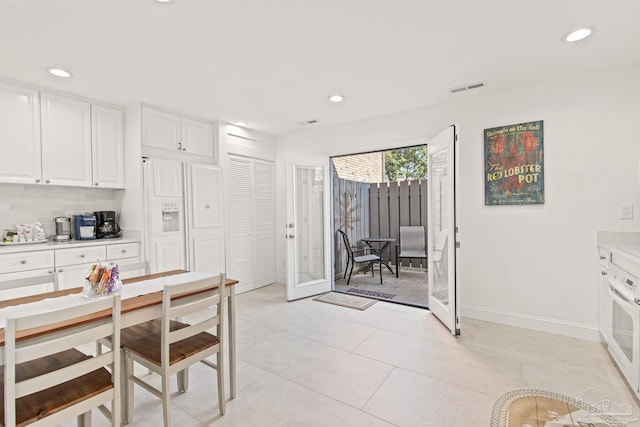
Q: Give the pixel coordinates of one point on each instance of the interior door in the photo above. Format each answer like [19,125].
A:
[441,234]
[307,228]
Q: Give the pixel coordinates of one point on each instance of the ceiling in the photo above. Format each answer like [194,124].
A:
[273,63]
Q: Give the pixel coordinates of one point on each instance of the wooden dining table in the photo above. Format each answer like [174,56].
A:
[134,310]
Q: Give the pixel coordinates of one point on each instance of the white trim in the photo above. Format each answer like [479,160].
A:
[543,324]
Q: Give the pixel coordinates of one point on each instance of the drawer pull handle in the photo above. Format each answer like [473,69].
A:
[604,273]
[124,251]
[60,270]
[24,261]
[81,255]
[603,257]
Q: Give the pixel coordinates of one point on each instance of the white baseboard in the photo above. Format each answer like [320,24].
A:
[554,326]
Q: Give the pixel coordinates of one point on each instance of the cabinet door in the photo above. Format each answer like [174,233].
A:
[66,141]
[197,137]
[19,135]
[160,129]
[108,146]
[73,276]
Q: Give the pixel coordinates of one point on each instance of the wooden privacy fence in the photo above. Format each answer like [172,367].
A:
[394,204]
[378,210]
[350,214]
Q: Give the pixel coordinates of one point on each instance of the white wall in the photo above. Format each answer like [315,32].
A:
[532,266]
[25,204]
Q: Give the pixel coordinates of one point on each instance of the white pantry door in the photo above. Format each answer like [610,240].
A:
[443,301]
[307,228]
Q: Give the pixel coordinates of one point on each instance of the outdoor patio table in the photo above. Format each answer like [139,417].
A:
[378,245]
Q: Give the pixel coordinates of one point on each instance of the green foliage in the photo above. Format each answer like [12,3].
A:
[406,163]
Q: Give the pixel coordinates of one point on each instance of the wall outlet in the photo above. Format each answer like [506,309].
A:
[626,211]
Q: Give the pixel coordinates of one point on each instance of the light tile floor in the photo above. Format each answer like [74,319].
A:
[308,363]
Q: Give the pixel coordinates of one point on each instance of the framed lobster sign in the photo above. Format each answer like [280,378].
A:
[514,164]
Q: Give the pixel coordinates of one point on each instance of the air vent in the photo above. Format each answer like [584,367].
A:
[467,87]
[307,122]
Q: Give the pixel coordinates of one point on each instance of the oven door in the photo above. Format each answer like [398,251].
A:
[624,343]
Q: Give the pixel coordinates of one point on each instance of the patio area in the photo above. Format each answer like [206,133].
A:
[410,288]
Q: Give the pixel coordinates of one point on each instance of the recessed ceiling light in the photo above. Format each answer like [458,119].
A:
[59,72]
[578,34]
[240,123]
[336,98]
[164,1]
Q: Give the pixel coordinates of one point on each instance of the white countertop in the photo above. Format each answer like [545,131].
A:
[62,245]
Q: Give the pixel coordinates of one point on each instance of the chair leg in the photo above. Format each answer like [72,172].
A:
[397,260]
[166,400]
[220,373]
[380,264]
[346,267]
[127,396]
[350,271]
[84,420]
[183,380]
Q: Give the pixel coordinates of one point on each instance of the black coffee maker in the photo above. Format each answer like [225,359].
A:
[106,225]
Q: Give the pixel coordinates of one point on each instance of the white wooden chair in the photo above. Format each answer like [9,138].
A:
[47,380]
[39,278]
[172,351]
[133,266]
[412,244]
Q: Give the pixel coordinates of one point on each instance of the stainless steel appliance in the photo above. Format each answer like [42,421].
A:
[85,226]
[63,229]
[106,225]
[621,308]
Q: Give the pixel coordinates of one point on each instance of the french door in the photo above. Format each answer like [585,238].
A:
[441,235]
[307,227]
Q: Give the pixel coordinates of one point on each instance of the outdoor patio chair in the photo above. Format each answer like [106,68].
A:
[412,244]
[369,259]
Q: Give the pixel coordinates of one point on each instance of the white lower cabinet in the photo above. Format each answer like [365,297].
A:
[72,276]
[72,265]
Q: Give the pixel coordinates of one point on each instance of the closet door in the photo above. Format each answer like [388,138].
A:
[241,219]
[265,259]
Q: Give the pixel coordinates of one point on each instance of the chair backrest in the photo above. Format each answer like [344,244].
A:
[20,358]
[347,244]
[412,240]
[41,278]
[134,266]
[200,295]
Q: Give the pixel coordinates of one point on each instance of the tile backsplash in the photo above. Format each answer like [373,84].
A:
[20,204]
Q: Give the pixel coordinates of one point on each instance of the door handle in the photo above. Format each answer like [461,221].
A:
[289,236]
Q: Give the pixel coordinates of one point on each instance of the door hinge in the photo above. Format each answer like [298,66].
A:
[458,245]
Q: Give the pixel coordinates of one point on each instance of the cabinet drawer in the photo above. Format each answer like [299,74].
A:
[124,250]
[80,255]
[24,261]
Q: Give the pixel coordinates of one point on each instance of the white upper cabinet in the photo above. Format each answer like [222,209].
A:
[19,135]
[107,147]
[168,131]
[197,137]
[66,141]
[160,129]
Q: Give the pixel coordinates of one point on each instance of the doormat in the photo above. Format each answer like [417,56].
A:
[370,293]
[537,407]
[345,300]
